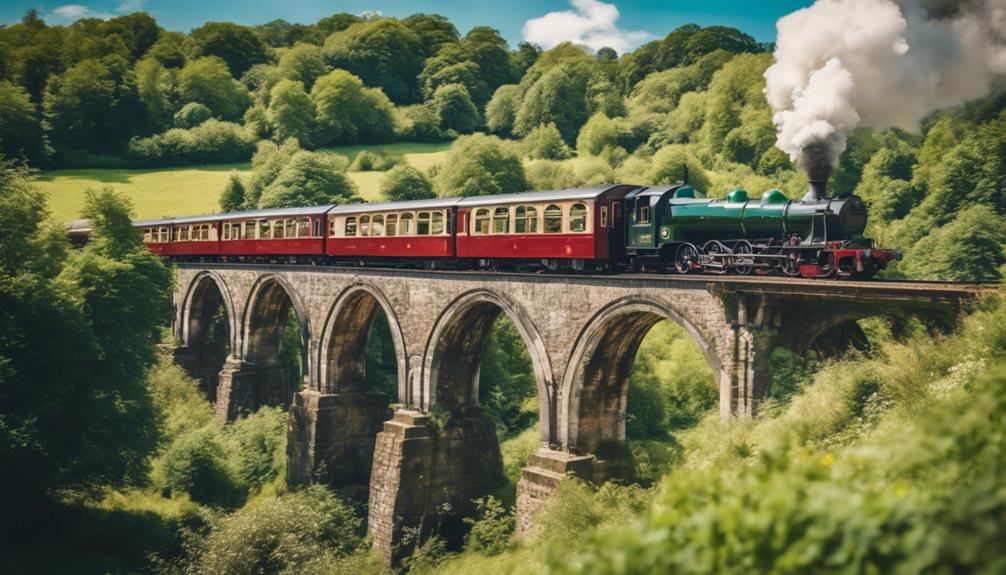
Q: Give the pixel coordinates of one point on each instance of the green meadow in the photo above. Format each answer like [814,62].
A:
[195,189]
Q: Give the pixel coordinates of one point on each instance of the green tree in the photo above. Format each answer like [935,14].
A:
[291,112]
[384,53]
[466,73]
[20,131]
[668,167]
[506,380]
[403,183]
[969,248]
[600,132]
[348,112]
[233,197]
[545,143]
[208,82]
[310,179]
[501,111]
[524,57]
[167,50]
[156,87]
[559,96]
[191,115]
[303,63]
[480,165]
[455,109]
[105,304]
[238,46]
[433,30]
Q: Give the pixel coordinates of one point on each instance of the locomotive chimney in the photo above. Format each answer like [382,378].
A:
[816,162]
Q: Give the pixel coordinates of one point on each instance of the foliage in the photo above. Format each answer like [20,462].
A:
[291,112]
[419,123]
[669,164]
[211,141]
[233,197]
[191,115]
[507,381]
[258,443]
[480,165]
[559,96]
[303,63]
[281,534]
[238,46]
[491,528]
[208,82]
[105,302]
[453,106]
[501,111]
[380,161]
[309,179]
[969,248]
[20,131]
[196,463]
[348,112]
[600,132]
[546,143]
[404,183]
[384,53]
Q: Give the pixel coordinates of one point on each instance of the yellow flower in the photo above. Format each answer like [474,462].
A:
[827,459]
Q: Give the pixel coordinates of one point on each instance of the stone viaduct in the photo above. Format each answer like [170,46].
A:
[582,333]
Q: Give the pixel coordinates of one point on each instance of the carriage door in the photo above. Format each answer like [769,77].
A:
[616,229]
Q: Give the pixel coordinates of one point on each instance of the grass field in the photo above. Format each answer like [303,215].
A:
[195,190]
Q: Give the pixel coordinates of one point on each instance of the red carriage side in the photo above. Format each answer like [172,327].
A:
[156,235]
[419,229]
[274,232]
[580,224]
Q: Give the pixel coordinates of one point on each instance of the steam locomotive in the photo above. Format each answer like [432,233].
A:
[615,228]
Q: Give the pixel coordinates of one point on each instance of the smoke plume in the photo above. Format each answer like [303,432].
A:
[840,64]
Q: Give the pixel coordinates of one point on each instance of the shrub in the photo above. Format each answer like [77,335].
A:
[191,115]
[282,534]
[309,179]
[453,106]
[491,531]
[233,197]
[668,166]
[405,183]
[367,161]
[195,463]
[257,444]
[601,131]
[545,143]
[419,123]
[480,165]
[211,142]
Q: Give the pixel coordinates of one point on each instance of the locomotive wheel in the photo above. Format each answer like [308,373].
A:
[685,257]
[791,265]
[743,249]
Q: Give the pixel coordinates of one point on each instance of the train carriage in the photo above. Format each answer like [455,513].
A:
[157,235]
[195,236]
[293,232]
[391,230]
[556,229]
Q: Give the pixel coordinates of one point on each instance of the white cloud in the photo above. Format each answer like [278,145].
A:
[70,12]
[591,23]
[371,14]
[130,6]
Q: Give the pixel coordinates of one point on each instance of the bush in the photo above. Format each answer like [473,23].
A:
[419,123]
[480,165]
[309,179]
[453,106]
[191,115]
[280,535]
[405,183]
[668,166]
[545,143]
[367,161]
[492,528]
[196,463]
[212,142]
[600,132]
[257,444]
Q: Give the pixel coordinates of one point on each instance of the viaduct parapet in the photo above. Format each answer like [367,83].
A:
[581,332]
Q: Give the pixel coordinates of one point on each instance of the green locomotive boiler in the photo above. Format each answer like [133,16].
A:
[678,227]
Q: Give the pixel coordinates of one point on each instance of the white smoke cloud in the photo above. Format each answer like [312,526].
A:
[71,12]
[591,23]
[840,64]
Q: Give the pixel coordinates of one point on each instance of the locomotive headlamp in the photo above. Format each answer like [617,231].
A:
[665,232]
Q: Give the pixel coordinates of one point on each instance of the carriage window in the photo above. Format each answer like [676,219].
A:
[364,225]
[553,219]
[604,216]
[264,230]
[391,225]
[501,221]
[438,223]
[317,228]
[278,229]
[481,221]
[423,224]
[249,230]
[405,225]
[350,226]
[146,235]
[304,228]
[226,231]
[644,215]
[526,220]
[377,226]
[578,218]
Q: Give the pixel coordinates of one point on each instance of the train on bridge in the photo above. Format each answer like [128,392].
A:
[669,228]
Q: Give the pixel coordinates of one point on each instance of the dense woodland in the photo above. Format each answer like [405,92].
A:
[888,460]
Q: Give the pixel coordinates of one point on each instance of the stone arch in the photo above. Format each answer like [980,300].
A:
[454,353]
[205,348]
[265,317]
[593,398]
[346,335]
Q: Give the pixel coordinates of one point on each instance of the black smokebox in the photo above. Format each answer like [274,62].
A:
[815,159]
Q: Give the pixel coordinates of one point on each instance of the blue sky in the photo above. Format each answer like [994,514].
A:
[623,23]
